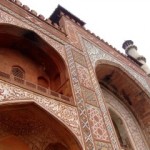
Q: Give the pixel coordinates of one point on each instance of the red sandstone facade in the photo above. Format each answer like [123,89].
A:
[63,88]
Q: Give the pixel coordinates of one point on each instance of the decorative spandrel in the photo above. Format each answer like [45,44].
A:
[65,113]
[96,54]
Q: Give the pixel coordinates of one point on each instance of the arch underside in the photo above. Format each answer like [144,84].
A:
[42,64]
[12,95]
[27,126]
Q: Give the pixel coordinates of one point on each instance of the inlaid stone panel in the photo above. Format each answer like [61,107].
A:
[85,126]
[89,96]
[97,123]
[89,51]
[103,146]
[79,58]
[84,76]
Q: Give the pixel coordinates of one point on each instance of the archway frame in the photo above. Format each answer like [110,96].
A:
[98,54]
[17,30]
[36,104]
[10,94]
[56,48]
[12,18]
[120,66]
[136,82]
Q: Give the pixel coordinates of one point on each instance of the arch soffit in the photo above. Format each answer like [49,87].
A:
[20,30]
[53,115]
[10,94]
[98,56]
[140,81]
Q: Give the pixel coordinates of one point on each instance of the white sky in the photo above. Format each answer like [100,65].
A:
[112,20]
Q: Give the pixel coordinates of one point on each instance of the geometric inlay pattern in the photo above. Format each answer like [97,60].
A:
[89,96]
[97,54]
[134,129]
[97,123]
[84,76]
[88,51]
[79,58]
[65,113]
[103,146]
[89,144]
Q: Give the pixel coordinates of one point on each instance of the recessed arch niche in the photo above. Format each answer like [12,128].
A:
[26,49]
[121,131]
[117,80]
[26,126]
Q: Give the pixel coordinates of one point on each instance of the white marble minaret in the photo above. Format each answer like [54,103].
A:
[131,50]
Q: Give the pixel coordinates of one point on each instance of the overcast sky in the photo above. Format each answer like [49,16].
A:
[112,20]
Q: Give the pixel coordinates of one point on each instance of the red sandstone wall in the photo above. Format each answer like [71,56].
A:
[11,58]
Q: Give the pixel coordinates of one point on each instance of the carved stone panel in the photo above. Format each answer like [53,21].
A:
[103,146]
[97,123]
[65,113]
[84,76]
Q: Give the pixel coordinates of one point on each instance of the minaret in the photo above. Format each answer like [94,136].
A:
[131,51]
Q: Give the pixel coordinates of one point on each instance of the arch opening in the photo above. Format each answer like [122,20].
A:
[114,78]
[120,131]
[27,126]
[26,49]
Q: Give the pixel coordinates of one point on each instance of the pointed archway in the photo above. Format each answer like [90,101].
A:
[121,131]
[116,80]
[27,126]
[41,63]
